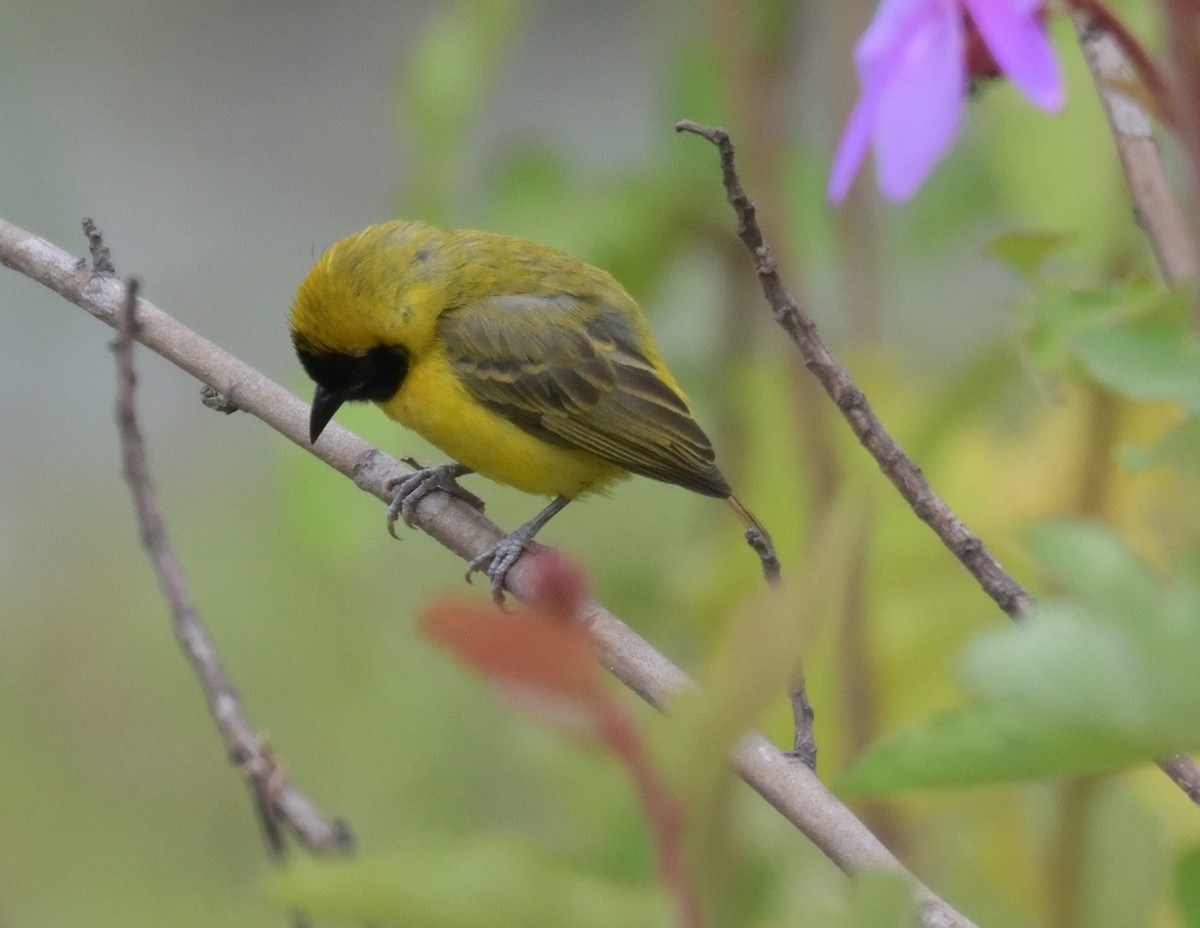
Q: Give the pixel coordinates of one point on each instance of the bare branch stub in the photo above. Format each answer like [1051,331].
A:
[903,473]
[275,799]
[213,399]
[101,257]
[804,743]
[762,546]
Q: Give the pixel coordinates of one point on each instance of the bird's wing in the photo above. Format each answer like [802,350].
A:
[571,373]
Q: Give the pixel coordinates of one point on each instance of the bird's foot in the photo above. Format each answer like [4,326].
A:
[503,554]
[410,490]
[498,559]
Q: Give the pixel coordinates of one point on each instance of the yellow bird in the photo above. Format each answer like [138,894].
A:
[516,360]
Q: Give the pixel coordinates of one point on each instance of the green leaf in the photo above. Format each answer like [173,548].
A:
[1156,359]
[1056,313]
[1026,252]
[1187,887]
[1120,658]
[1065,666]
[983,743]
[1102,680]
[1089,563]
[1133,336]
[459,883]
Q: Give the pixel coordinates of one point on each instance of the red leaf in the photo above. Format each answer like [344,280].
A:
[539,658]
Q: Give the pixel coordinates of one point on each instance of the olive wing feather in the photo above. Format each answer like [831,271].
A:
[572,373]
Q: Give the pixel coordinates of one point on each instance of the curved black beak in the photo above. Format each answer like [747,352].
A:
[325,403]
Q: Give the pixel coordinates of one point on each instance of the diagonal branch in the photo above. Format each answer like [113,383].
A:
[788,785]
[896,465]
[905,475]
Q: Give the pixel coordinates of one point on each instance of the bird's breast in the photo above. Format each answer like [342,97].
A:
[435,404]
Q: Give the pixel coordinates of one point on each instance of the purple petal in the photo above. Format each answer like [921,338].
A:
[852,147]
[890,27]
[1017,40]
[919,109]
[875,56]
[910,65]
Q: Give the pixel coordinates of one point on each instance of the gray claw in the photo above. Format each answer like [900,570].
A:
[499,558]
[408,491]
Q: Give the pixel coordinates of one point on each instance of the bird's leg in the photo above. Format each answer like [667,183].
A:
[504,553]
[408,491]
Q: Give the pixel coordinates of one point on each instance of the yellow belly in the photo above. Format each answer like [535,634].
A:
[434,404]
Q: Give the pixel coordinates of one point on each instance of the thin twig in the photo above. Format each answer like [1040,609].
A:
[275,798]
[1155,204]
[899,468]
[1008,594]
[790,787]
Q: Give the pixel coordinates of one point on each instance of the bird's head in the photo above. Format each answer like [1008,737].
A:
[362,312]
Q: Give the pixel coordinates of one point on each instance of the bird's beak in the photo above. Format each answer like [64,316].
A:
[325,403]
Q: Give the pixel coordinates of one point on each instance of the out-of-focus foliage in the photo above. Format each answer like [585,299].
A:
[1187,887]
[1132,336]
[445,85]
[1102,678]
[1103,674]
[465,882]
[221,153]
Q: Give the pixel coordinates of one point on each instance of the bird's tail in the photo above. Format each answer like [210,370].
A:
[758,538]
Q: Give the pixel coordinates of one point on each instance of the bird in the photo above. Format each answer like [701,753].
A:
[516,360]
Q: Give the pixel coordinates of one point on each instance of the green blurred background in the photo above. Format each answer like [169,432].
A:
[221,146]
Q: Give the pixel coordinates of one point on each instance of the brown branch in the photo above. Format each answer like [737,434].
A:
[275,798]
[896,465]
[1155,205]
[1008,594]
[1185,772]
[789,786]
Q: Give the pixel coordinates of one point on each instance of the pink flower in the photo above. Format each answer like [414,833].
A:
[912,63]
